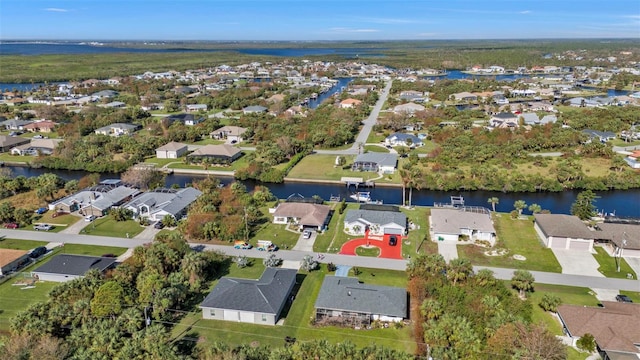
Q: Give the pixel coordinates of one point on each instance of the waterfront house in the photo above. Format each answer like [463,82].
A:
[378,162]
[377,222]
[67,267]
[254,109]
[96,200]
[402,139]
[117,129]
[348,302]
[465,223]
[9,142]
[172,150]
[215,154]
[560,231]
[623,239]
[157,204]
[350,103]
[258,301]
[11,259]
[304,215]
[408,108]
[36,147]
[633,159]
[464,96]
[232,134]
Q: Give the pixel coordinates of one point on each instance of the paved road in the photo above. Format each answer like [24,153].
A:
[368,124]
[368,262]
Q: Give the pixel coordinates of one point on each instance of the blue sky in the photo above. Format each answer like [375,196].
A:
[317,20]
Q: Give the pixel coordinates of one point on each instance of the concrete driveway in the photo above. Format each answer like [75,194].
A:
[76,227]
[634,262]
[577,262]
[306,244]
[448,250]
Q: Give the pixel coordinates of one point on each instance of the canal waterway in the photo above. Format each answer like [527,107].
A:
[624,203]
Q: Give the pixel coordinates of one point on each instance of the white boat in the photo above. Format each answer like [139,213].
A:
[363,196]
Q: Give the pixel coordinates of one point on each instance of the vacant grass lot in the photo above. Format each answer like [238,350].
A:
[241,162]
[106,226]
[376,148]
[519,237]
[297,321]
[276,233]
[20,244]
[609,265]
[322,167]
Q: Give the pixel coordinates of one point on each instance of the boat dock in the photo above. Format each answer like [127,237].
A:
[357,182]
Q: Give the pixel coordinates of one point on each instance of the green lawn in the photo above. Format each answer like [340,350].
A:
[92,250]
[609,265]
[634,295]
[276,233]
[297,322]
[15,158]
[162,162]
[372,251]
[241,162]
[331,239]
[419,216]
[322,167]
[375,148]
[519,237]
[107,226]
[20,244]
[209,141]
[60,222]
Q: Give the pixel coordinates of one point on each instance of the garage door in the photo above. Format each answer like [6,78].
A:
[231,315]
[246,317]
[579,245]
[559,243]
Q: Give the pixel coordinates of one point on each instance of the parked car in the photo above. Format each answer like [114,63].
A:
[43,227]
[108,255]
[623,298]
[38,136]
[393,240]
[266,245]
[158,225]
[11,225]
[37,252]
[242,245]
[41,210]
[90,218]
[306,234]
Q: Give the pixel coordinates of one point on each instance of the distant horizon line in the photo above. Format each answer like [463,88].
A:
[317,40]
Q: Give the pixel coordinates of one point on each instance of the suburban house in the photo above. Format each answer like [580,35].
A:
[11,259]
[215,154]
[187,119]
[378,222]
[157,204]
[36,147]
[45,126]
[533,119]
[633,159]
[623,238]
[254,109]
[96,200]
[464,223]
[559,231]
[615,327]
[9,142]
[104,94]
[408,108]
[377,162]
[230,133]
[67,267]
[602,136]
[195,107]
[172,150]
[350,103]
[402,139]
[464,96]
[503,120]
[411,95]
[15,124]
[117,129]
[114,105]
[258,301]
[305,215]
[347,301]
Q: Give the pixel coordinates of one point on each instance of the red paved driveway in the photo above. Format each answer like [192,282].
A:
[386,251]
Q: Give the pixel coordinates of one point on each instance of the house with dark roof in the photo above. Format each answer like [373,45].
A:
[624,239]
[215,154]
[171,150]
[254,109]
[503,120]
[157,204]
[559,231]
[347,301]
[602,136]
[305,215]
[36,147]
[378,162]
[378,222]
[258,301]
[9,142]
[66,267]
[187,119]
[471,223]
[402,139]
[615,327]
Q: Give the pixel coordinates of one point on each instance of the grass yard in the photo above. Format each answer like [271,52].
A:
[518,237]
[375,148]
[609,265]
[634,295]
[92,250]
[162,162]
[278,234]
[209,141]
[297,323]
[419,216]
[326,241]
[241,162]
[60,222]
[373,251]
[322,167]
[20,244]
[15,158]
[106,226]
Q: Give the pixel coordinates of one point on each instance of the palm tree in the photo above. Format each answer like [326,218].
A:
[415,181]
[493,201]
[520,205]
[459,270]
[535,208]
[193,265]
[523,281]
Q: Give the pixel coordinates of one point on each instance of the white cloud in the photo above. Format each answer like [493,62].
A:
[526,12]
[56,10]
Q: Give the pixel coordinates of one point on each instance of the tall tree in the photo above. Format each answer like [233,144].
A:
[584,207]
[523,281]
[520,205]
[493,201]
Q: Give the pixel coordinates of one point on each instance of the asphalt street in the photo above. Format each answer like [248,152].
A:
[359,261]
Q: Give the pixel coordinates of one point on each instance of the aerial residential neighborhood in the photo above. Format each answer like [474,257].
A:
[329,199]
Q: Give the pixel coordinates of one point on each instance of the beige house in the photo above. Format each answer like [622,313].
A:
[172,150]
[304,215]
[215,154]
[230,133]
[350,103]
[559,231]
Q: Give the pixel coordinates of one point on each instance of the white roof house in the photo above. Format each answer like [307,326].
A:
[157,204]
[450,224]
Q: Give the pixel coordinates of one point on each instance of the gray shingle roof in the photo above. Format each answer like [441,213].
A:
[348,294]
[382,159]
[265,295]
[618,233]
[67,264]
[377,217]
[450,221]
[563,226]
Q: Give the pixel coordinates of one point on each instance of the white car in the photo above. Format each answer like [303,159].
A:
[306,234]
[90,218]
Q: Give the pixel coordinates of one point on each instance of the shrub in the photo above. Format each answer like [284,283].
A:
[586,343]
[549,302]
